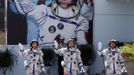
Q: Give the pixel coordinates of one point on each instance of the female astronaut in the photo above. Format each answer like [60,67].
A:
[72,62]
[61,18]
[34,62]
[114,64]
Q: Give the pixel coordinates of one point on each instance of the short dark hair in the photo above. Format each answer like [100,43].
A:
[34,42]
[112,42]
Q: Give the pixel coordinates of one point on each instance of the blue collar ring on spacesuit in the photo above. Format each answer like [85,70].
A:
[75,7]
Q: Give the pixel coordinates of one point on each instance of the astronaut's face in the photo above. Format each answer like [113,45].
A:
[71,44]
[65,3]
[112,45]
[34,45]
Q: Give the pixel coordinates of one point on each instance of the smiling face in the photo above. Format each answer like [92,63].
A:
[65,3]
[71,44]
[34,45]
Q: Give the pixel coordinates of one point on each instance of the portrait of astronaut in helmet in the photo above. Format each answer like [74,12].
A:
[63,17]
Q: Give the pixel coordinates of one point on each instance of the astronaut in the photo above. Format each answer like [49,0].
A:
[61,18]
[34,63]
[113,61]
[72,62]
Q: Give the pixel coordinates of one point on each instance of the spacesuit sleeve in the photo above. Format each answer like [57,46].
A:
[16,8]
[80,63]
[82,27]
[41,59]
[121,58]
[103,52]
[38,12]
[28,7]
[24,53]
[60,51]
[56,44]
[25,6]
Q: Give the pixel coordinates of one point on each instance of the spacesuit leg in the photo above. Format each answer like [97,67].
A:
[28,71]
[37,73]
[109,71]
[74,72]
[38,70]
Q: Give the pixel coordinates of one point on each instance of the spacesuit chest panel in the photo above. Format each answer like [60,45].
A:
[33,57]
[53,27]
[113,61]
[113,56]
[71,58]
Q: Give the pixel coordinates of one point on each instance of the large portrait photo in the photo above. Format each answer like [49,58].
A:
[45,19]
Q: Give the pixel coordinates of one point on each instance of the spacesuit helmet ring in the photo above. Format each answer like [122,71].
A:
[75,6]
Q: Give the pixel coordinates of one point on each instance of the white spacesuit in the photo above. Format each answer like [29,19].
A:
[113,61]
[72,62]
[56,20]
[34,63]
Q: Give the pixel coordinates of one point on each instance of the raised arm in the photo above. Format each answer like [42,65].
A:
[22,52]
[25,6]
[103,52]
[60,51]
[82,28]
[38,12]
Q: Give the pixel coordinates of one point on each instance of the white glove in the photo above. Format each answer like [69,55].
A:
[20,46]
[56,44]
[99,46]
[63,63]
[82,70]
[25,63]
[105,64]
[43,69]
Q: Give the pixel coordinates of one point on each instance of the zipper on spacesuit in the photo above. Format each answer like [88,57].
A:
[114,68]
[33,69]
[70,69]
